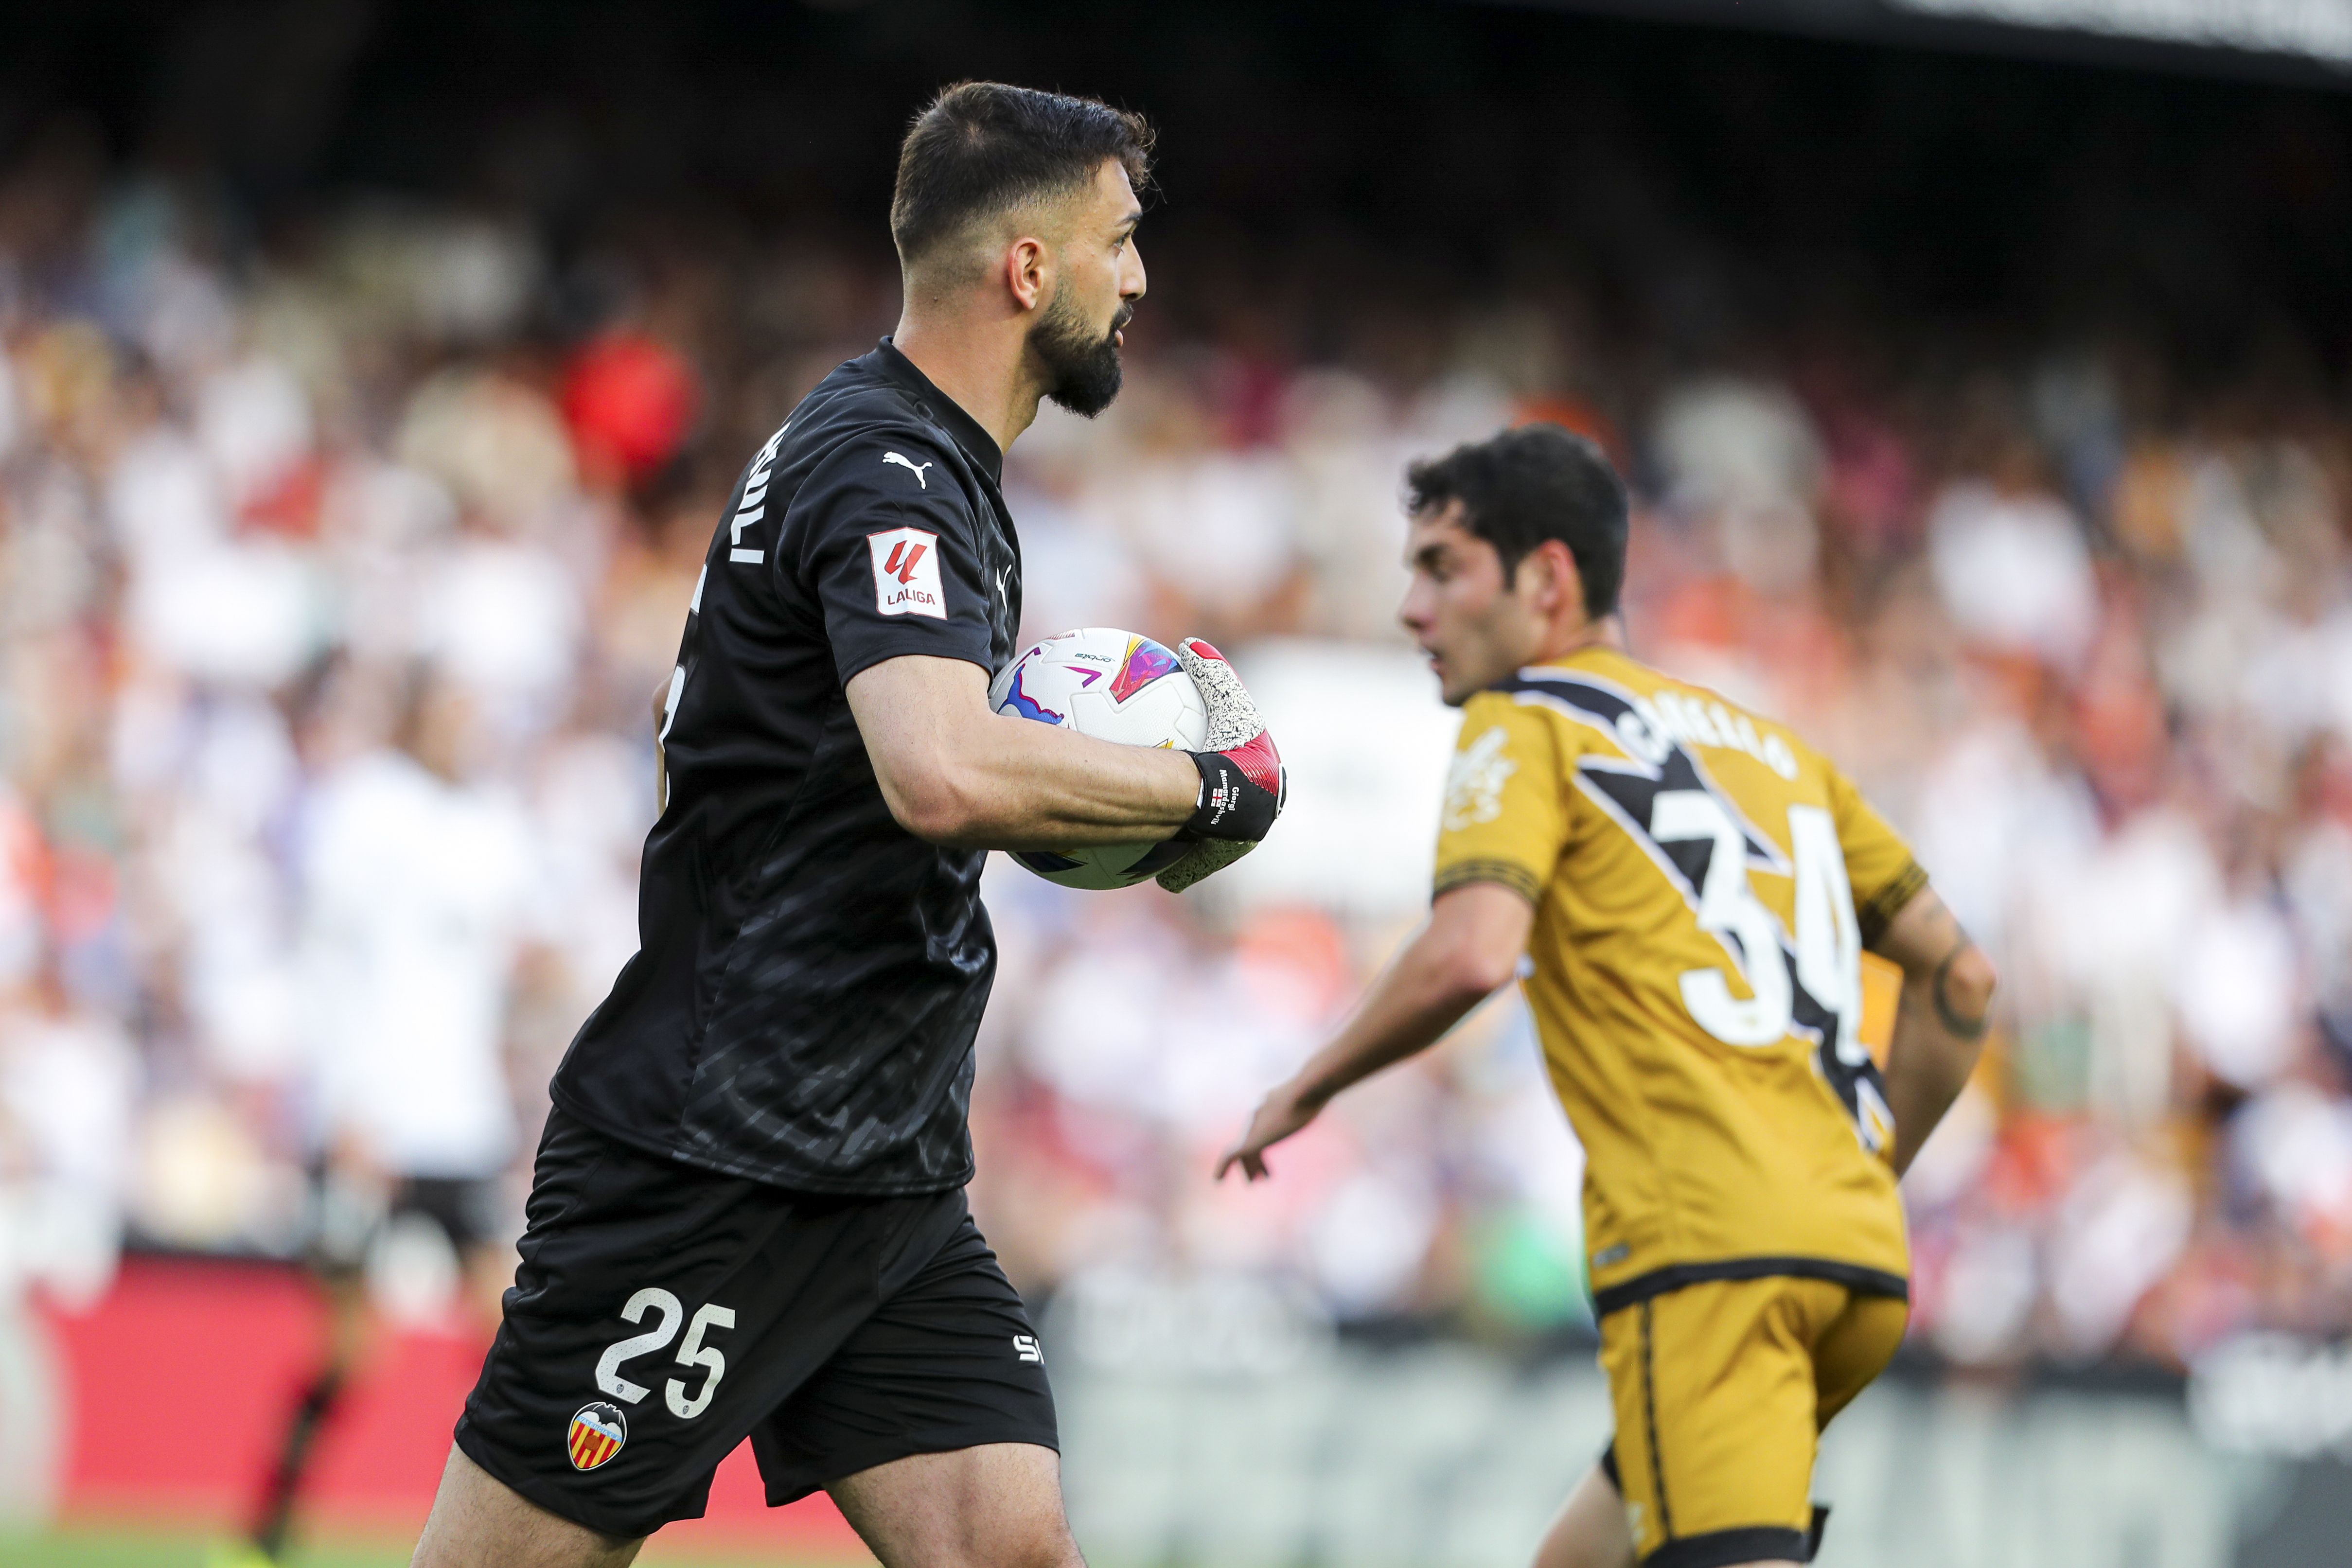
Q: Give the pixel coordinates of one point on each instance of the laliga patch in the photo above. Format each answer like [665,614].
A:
[906,572]
[597,1433]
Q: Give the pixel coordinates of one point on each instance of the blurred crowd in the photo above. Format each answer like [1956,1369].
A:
[339,567]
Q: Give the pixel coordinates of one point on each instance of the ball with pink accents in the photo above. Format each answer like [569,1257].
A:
[1114,686]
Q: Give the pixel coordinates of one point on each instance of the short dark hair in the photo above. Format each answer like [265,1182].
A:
[1523,487]
[982,148]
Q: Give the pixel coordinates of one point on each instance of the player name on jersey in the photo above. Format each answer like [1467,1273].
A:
[1662,718]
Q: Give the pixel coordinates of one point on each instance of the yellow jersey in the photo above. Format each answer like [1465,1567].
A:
[1704,883]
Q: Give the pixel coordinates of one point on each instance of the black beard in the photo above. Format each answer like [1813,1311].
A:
[1085,368]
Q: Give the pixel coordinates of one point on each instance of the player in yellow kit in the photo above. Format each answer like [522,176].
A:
[1695,888]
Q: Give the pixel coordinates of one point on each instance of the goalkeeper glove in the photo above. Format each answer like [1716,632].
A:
[1243,783]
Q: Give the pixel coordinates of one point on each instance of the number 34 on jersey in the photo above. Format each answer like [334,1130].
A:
[1643,834]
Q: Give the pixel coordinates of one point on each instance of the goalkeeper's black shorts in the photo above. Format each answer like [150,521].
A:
[664,1314]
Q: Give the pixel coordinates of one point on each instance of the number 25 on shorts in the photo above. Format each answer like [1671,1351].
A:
[691,1351]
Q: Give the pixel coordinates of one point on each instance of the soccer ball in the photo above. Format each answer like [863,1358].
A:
[1113,686]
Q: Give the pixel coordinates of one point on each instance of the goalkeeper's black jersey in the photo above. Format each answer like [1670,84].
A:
[810,975]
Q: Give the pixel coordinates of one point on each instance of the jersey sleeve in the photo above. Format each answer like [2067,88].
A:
[1878,864]
[1505,817]
[890,550]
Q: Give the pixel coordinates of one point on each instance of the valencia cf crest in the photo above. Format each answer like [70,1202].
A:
[597,1433]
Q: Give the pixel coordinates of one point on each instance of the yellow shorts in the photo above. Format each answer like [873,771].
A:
[1721,1391]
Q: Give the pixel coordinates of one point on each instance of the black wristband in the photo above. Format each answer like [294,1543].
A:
[1232,804]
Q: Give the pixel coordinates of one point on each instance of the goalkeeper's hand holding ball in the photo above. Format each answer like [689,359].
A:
[1242,779]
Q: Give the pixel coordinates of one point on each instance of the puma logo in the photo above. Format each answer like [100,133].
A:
[914,468]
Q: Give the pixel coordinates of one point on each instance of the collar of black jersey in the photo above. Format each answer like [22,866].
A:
[977,444]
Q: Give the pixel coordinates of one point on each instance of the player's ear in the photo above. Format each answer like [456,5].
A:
[1029,271]
[1561,587]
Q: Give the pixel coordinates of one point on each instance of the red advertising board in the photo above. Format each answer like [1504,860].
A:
[173,1387]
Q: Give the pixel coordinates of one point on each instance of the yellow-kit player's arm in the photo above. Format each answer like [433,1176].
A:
[1947,982]
[1505,822]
